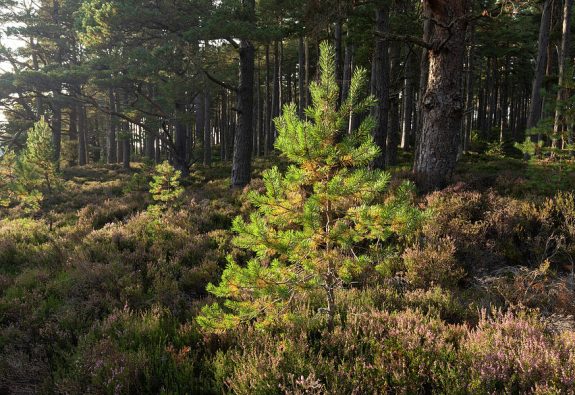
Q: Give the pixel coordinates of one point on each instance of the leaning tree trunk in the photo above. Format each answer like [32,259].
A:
[443,102]
[242,165]
[540,68]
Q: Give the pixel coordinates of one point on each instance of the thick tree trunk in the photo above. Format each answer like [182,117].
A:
[423,78]
[380,86]
[469,108]
[443,102]
[242,166]
[540,67]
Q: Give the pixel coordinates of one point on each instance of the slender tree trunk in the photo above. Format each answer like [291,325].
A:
[111,143]
[504,100]
[540,67]
[409,98]
[242,166]
[394,133]
[73,130]
[207,130]
[268,124]
[559,125]
[199,104]
[57,132]
[469,108]
[443,102]
[347,70]
[380,86]
[82,157]
[180,140]
[127,139]
[275,96]
[300,75]
[120,132]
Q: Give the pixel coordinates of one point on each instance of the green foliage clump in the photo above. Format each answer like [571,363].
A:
[529,147]
[38,165]
[26,178]
[321,224]
[495,148]
[7,179]
[165,186]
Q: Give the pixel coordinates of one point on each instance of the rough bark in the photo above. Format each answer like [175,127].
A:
[380,86]
[540,67]
[241,166]
[469,89]
[301,74]
[559,125]
[443,102]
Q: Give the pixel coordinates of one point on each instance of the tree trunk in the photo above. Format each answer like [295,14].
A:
[82,157]
[268,117]
[57,132]
[111,143]
[73,129]
[423,79]
[207,131]
[469,88]
[409,99]
[540,67]
[380,86]
[199,103]
[275,96]
[242,166]
[442,103]
[563,94]
[181,137]
[300,76]
[393,135]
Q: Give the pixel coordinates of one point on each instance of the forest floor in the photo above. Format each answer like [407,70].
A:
[98,295]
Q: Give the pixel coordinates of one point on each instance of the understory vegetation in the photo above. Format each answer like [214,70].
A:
[100,295]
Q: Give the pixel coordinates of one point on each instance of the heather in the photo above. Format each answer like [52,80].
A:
[101,295]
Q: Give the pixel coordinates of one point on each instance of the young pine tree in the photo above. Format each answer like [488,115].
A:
[323,222]
[165,185]
[38,170]
[8,179]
